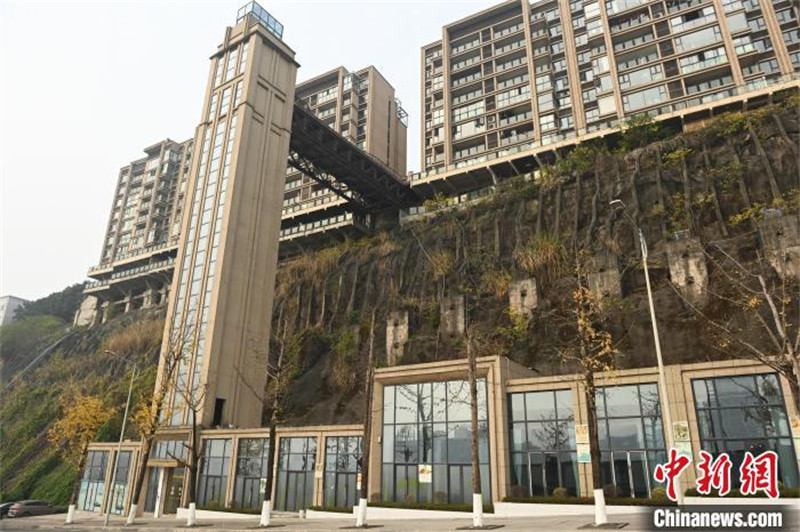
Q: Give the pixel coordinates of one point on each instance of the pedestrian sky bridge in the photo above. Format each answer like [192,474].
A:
[367,185]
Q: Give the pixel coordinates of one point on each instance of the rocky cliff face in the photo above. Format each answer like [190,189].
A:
[502,265]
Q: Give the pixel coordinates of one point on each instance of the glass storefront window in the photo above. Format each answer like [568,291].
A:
[342,465]
[251,472]
[631,438]
[426,428]
[542,437]
[296,461]
[93,482]
[745,413]
[214,466]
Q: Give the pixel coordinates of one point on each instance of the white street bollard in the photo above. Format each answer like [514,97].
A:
[361,516]
[192,519]
[131,515]
[477,510]
[265,511]
[600,515]
[70,515]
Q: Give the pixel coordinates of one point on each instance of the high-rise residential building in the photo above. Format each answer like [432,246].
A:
[362,107]
[8,305]
[527,76]
[141,238]
[220,309]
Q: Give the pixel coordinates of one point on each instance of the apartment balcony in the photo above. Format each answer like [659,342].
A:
[129,274]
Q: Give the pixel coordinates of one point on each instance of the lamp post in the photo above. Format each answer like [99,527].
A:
[662,380]
[121,436]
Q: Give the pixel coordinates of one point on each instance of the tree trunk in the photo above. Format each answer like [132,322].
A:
[477,498]
[193,453]
[361,517]
[594,448]
[76,488]
[138,483]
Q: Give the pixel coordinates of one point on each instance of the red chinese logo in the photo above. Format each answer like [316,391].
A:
[714,474]
[759,474]
[669,472]
[756,473]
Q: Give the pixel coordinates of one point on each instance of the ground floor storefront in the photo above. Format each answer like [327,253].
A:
[530,439]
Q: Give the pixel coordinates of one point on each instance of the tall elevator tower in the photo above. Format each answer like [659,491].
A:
[221,303]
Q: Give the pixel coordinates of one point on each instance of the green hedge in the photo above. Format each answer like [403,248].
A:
[487,508]
[616,501]
[786,493]
[336,509]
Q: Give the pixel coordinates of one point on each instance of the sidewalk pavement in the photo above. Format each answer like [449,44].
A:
[87,521]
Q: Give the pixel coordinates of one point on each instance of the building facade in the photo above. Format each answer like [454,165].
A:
[421,436]
[524,77]
[8,305]
[141,239]
[363,108]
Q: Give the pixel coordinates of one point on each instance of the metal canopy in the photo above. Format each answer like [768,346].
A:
[375,186]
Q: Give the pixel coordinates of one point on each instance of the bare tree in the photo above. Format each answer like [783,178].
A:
[369,375]
[153,412]
[279,377]
[590,347]
[753,313]
[194,397]
[477,497]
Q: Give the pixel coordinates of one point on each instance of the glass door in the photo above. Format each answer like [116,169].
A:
[174,490]
[631,476]
[640,480]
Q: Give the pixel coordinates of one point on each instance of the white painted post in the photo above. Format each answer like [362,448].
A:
[600,515]
[70,515]
[191,520]
[265,511]
[131,514]
[361,516]
[477,510]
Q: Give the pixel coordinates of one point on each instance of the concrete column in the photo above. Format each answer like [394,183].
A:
[396,336]
[603,277]
[687,269]
[452,315]
[523,296]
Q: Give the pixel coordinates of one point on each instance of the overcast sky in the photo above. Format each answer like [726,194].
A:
[85,86]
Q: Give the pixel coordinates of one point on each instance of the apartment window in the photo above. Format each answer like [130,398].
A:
[543,83]
[640,77]
[702,60]
[607,105]
[737,22]
[638,100]
[603,83]
[594,27]
[427,425]
[600,65]
[591,10]
[545,102]
[468,111]
[745,413]
[547,122]
[698,39]
[513,96]
[542,438]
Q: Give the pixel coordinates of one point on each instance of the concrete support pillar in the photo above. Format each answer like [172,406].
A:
[603,277]
[687,269]
[396,336]
[523,296]
[780,236]
[452,315]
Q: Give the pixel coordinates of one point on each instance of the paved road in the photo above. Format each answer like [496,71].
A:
[93,523]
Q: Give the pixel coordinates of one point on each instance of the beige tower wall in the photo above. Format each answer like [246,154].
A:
[239,287]
[239,330]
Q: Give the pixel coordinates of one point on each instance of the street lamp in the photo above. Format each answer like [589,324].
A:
[121,435]
[662,380]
